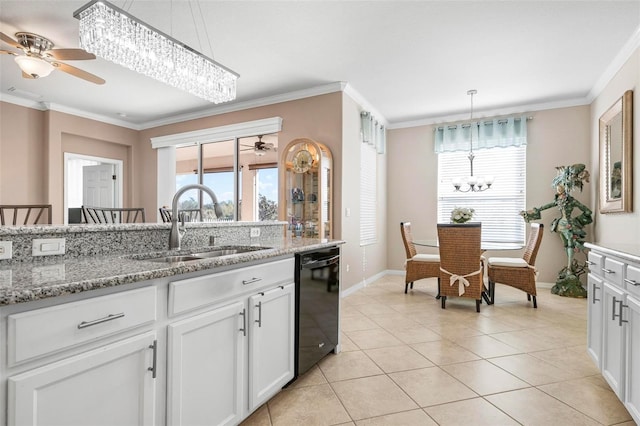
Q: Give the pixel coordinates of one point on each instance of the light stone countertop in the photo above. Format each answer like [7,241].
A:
[29,281]
[630,252]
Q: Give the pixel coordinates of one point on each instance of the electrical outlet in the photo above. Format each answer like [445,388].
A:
[348,268]
[6,249]
[47,246]
[255,232]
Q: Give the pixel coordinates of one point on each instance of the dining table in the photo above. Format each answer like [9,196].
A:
[484,246]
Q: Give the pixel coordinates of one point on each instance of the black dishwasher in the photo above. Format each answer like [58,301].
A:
[317,297]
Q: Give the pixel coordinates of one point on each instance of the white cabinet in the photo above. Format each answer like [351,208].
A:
[617,273]
[112,385]
[271,343]
[594,318]
[631,314]
[227,359]
[205,371]
[613,339]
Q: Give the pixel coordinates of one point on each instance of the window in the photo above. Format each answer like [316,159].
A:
[497,208]
[368,199]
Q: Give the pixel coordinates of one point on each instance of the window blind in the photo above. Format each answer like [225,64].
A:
[497,208]
[368,199]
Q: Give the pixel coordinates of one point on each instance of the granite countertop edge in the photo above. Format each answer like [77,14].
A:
[30,281]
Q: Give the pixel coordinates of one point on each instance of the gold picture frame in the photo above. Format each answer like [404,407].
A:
[616,161]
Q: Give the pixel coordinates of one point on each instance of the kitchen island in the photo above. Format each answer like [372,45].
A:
[118,338]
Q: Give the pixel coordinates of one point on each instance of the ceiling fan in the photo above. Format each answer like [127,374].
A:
[39,58]
[259,147]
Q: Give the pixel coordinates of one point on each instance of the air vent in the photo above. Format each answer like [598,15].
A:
[23,93]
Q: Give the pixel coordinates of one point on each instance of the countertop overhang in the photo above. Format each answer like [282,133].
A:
[30,281]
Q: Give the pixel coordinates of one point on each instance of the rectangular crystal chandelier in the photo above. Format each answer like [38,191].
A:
[113,34]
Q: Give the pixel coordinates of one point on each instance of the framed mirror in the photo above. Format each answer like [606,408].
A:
[616,162]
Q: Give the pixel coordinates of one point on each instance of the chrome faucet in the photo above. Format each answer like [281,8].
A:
[176,233]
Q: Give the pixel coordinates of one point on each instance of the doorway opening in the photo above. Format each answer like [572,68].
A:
[90,180]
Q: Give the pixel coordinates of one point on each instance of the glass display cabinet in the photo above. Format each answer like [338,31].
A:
[307,186]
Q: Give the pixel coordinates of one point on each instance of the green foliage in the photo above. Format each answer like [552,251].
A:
[267,209]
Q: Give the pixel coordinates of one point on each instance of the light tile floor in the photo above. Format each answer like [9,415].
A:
[405,361]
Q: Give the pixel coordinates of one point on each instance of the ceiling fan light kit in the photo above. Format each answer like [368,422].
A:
[115,35]
[34,67]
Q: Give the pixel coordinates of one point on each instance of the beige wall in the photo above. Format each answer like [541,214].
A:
[618,227]
[23,167]
[555,137]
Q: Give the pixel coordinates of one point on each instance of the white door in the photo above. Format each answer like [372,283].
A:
[632,395]
[206,361]
[594,319]
[98,185]
[107,386]
[271,343]
[613,339]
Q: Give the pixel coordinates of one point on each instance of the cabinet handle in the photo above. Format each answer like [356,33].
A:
[259,320]
[613,313]
[620,317]
[243,314]
[251,281]
[153,368]
[595,287]
[608,271]
[589,262]
[632,282]
[110,317]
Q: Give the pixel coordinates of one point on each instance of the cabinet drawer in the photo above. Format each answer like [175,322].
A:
[192,293]
[613,271]
[596,262]
[632,280]
[42,331]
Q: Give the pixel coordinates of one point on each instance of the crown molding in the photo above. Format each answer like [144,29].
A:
[239,106]
[520,109]
[360,100]
[618,62]
[27,103]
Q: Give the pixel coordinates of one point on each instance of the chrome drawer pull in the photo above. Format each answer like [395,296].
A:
[595,287]
[110,317]
[589,262]
[613,312]
[251,281]
[608,271]
[632,282]
[620,317]
[259,320]
[244,322]
[154,365]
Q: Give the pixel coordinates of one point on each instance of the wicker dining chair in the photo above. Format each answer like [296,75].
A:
[460,266]
[519,273]
[418,265]
[25,214]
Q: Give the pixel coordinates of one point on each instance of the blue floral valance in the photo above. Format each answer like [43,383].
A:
[499,132]
[373,132]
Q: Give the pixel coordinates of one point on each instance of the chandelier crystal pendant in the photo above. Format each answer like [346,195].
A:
[474,183]
[115,35]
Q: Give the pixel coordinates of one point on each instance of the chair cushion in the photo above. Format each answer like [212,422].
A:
[426,258]
[509,262]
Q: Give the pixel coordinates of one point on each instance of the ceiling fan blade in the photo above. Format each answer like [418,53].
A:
[29,76]
[71,54]
[10,41]
[77,72]
[7,52]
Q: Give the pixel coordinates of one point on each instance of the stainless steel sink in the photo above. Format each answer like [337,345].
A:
[173,259]
[201,255]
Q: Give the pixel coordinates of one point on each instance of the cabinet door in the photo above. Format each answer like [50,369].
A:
[613,339]
[594,319]
[111,385]
[206,358]
[632,395]
[271,343]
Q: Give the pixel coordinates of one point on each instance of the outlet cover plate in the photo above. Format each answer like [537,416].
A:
[6,249]
[255,232]
[48,246]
